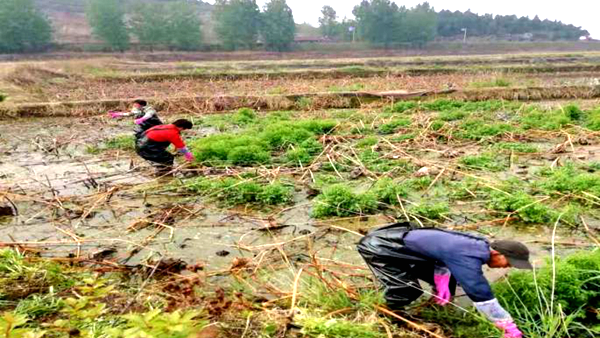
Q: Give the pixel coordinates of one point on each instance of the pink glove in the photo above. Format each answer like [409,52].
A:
[443,290]
[510,329]
[114,114]
[189,156]
[140,120]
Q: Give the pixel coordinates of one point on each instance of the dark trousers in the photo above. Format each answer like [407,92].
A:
[396,267]
[156,153]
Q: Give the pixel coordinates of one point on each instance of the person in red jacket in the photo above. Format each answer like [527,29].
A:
[152,145]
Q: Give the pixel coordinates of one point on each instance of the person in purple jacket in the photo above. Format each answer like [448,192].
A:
[400,255]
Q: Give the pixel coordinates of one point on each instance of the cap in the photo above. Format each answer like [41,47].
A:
[516,253]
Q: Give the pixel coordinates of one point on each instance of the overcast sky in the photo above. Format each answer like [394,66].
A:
[584,13]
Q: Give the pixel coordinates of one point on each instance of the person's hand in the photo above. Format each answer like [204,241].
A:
[189,156]
[510,329]
[442,287]
[140,120]
[114,114]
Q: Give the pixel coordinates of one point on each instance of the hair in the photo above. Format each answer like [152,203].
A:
[142,103]
[183,124]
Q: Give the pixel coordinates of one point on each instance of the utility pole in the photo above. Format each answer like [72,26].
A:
[465,37]
[353,30]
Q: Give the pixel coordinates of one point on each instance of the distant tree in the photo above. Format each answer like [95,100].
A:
[328,23]
[379,21]
[150,23]
[237,23]
[184,25]
[22,27]
[420,25]
[278,27]
[106,17]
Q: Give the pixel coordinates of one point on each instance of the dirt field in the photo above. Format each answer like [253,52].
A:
[257,237]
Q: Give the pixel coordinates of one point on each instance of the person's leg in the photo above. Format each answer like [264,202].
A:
[162,160]
[394,266]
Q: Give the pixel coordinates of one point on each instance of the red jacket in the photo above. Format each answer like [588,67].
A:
[166,133]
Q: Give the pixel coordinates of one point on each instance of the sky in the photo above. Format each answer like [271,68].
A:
[582,13]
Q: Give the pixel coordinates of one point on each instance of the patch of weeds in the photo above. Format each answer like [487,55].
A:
[593,120]
[3,97]
[499,82]
[157,323]
[477,129]
[319,327]
[304,103]
[37,306]
[376,161]
[573,112]
[216,149]
[350,88]
[517,147]
[393,126]
[298,156]
[402,107]
[419,183]
[593,166]
[545,120]
[355,70]
[367,142]
[244,116]
[248,155]
[485,161]
[573,285]
[402,138]
[121,142]
[443,105]
[437,125]
[569,179]
[322,298]
[458,323]
[524,206]
[449,116]
[431,210]
[340,201]
[387,191]
[232,191]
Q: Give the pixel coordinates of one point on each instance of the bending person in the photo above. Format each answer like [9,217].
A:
[400,255]
[152,145]
[144,114]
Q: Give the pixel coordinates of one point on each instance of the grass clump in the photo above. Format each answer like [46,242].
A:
[499,82]
[121,142]
[319,327]
[340,201]
[449,116]
[231,148]
[431,210]
[477,129]
[443,105]
[486,161]
[574,287]
[593,120]
[367,142]
[569,179]
[524,206]
[387,191]
[233,191]
[517,147]
[546,120]
[402,107]
[244,116]
[393,126]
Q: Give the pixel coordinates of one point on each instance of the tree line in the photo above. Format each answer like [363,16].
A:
[240,24]
[384,22]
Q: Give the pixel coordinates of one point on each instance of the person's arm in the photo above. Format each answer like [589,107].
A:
[181,147]
[149,112]
[117,114]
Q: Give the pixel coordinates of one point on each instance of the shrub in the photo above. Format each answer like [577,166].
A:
[393,126]
[339,200]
